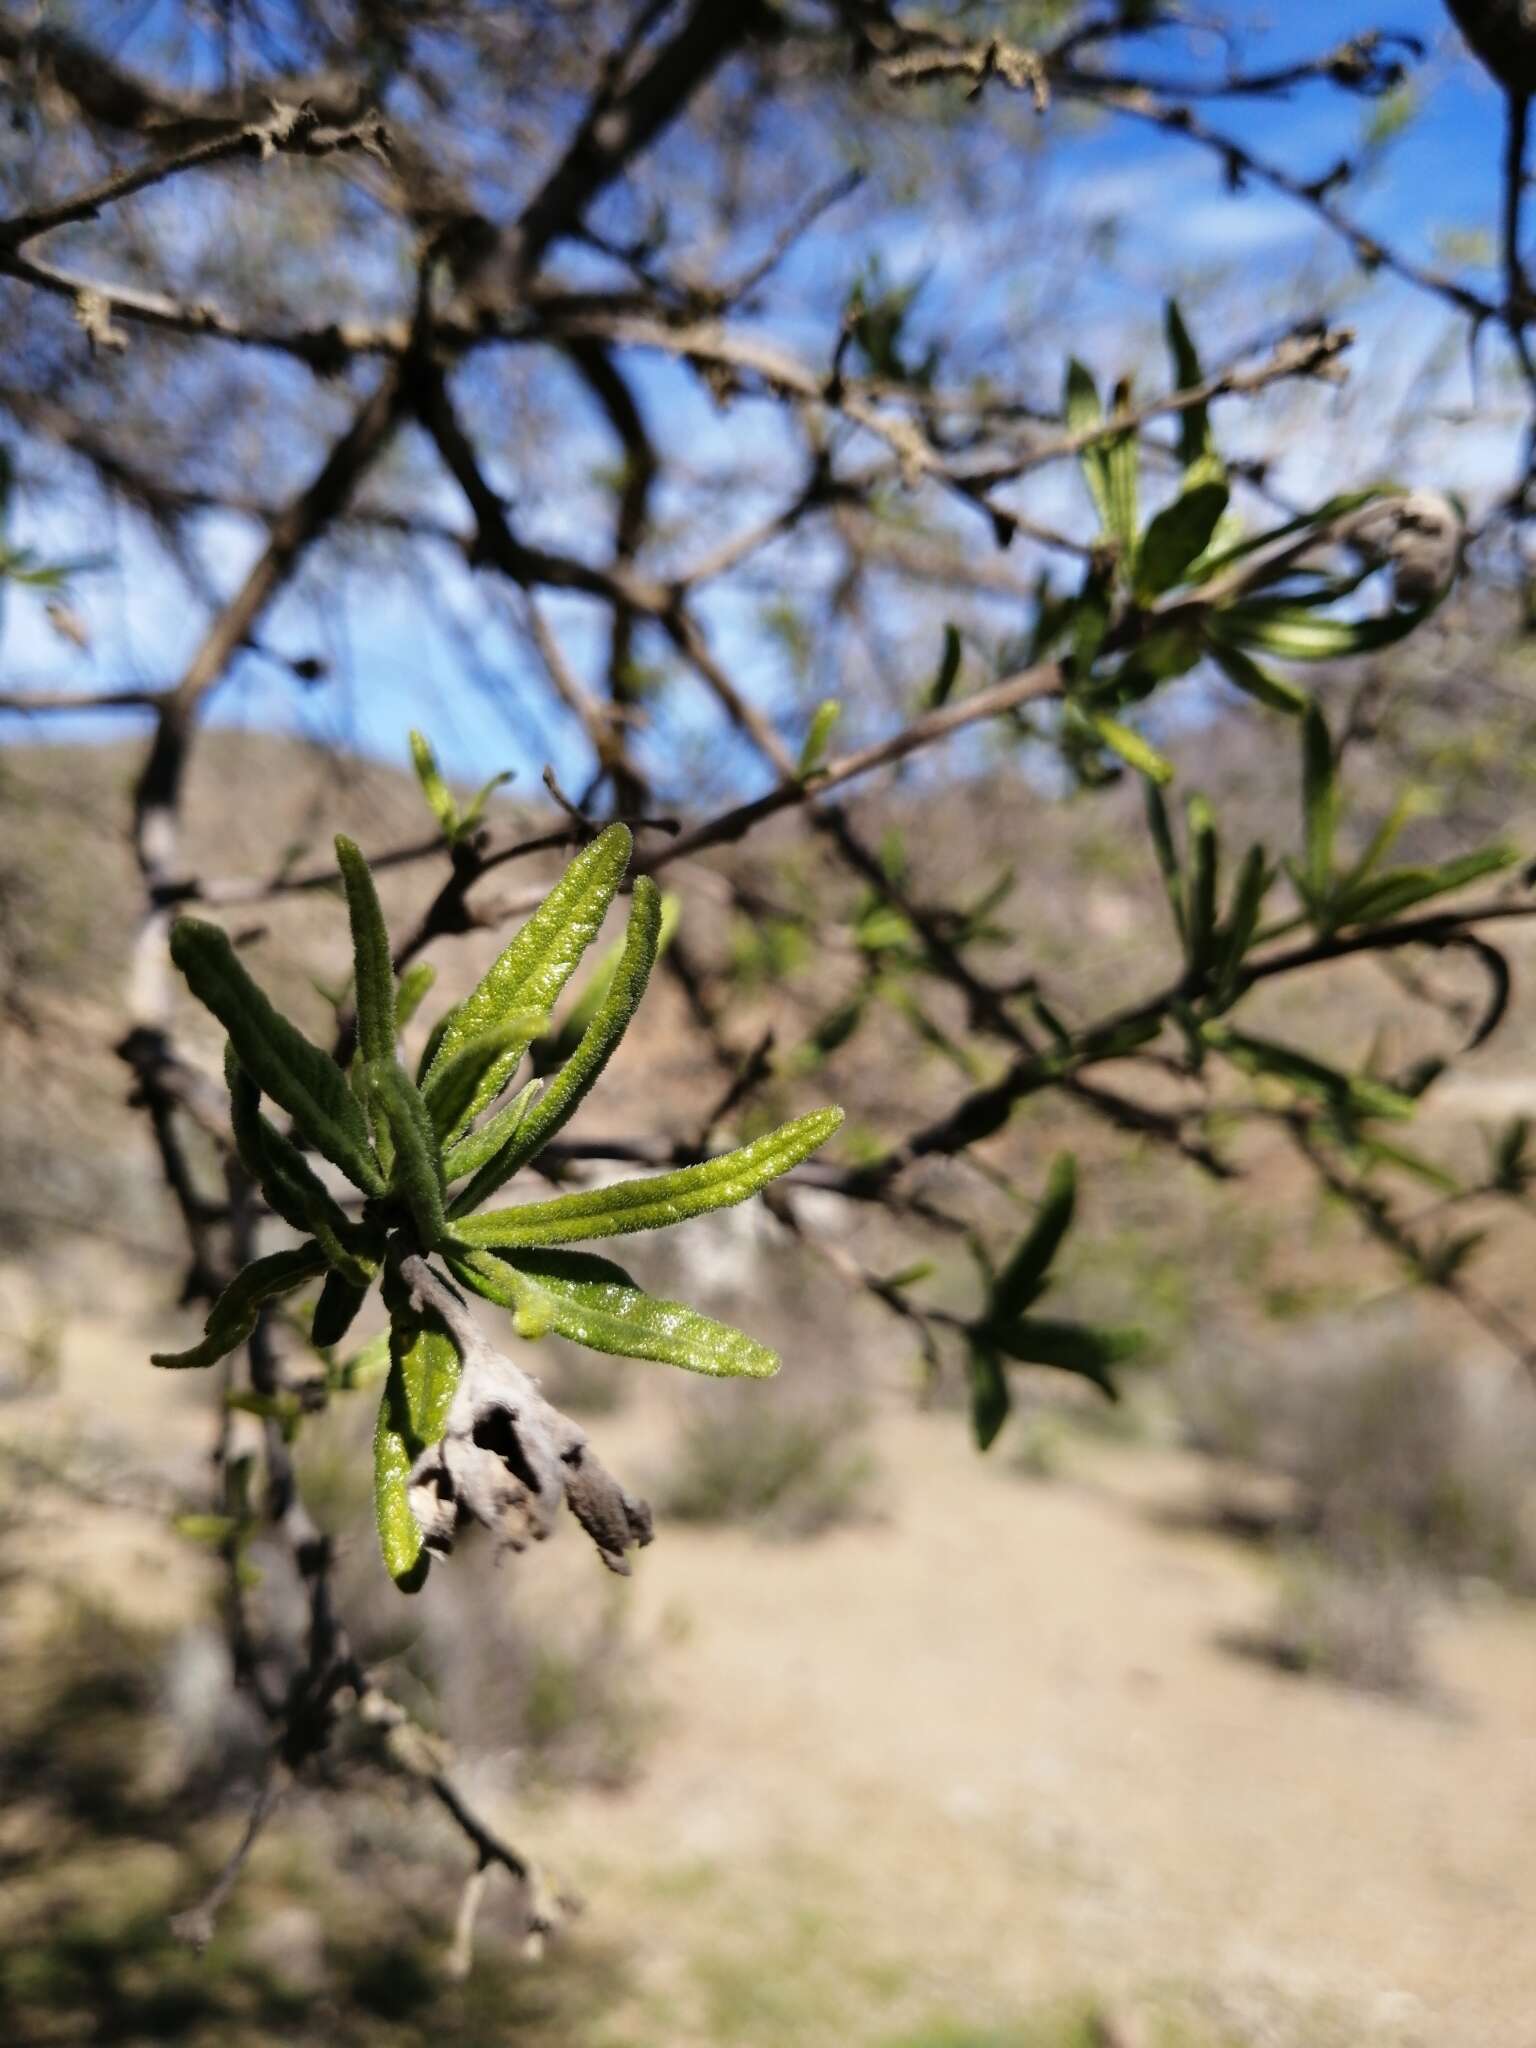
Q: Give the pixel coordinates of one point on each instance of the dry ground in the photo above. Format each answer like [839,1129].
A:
[987,1752]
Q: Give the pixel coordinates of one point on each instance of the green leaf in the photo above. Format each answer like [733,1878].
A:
[475,810]
[418,1159]
[1400,889]
[596,1303]
[1351,1095]
[1252,886]
[653,1204]
[1177,538]
[947,674]
[1244,673]
[533,970]
[282,1062]
[565,1093]
[1203,882]
[1320,515]
[413,1413]
[460,1086]
[813,755]
[340,1300]
[433,787]
[414,984]
[1137,752]
[289,1186]
[373,975]
[1195,440]
[1167,856]
[1023,1278]
[1071,1347]
[478,1147]
[1296,632]
[1319,802]
[990,1398]
[233,1316]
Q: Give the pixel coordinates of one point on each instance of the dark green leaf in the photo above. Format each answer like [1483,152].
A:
[990,1399]
[1023,1279]
[233,1316]
[460,1086]
[1244,673]
[282,1062]
[1167,856]
[340,1300]
[1319,802]
[1071,1347]
[1177,537]
[948,672]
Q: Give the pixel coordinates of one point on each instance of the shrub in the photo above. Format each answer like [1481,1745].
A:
[787,1469]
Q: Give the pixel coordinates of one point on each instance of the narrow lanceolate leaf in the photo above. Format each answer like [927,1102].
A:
[418,1159]
[990,1398]
[653,1204]
[1137,752]
[233,1316]
[289,1185]
[1350,1094]
[1296,632]
[1253,881]
[1400,889]
[1177,537]
[1319,802]
[566,1091]
[1203,881]
[1022,1279]
[373,972]
[473,1151]
[461,1086]
[414,984]
[340,1300]
[413,1413]
[1167,855]
[813,755]
[433,787]
[1070,1347]
[1244,673]
[282,1062]
[1195,439]
[947,673]
[597,1304]
[533,970]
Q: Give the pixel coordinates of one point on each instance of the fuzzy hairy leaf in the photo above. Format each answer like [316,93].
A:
[596,1303]
[340,1300]
[414,985]
[653,1204]
[533,970]
[413,1413]
[474,1150]
[289,1185]
[233,1316]
[418,1158]
[373,971]
[455,1092]
[437,793]
[282,1062]
[569,1087]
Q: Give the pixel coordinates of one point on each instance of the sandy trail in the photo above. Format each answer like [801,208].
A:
[991,1750]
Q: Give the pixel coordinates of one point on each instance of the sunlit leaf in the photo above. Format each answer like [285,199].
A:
[653,1204]
[373,973]
[597,1304]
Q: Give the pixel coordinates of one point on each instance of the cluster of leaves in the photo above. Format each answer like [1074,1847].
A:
[423,1151]
[1189,585]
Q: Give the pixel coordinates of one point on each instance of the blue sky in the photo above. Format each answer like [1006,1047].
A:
[1136,212]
